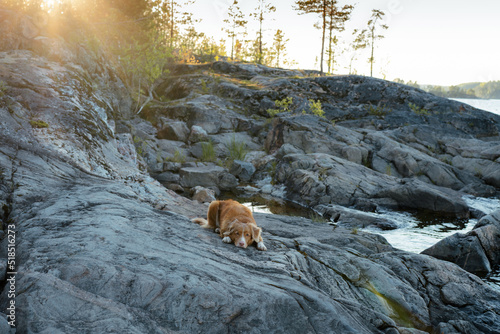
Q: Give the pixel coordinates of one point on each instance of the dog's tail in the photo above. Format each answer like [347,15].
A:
[201,221]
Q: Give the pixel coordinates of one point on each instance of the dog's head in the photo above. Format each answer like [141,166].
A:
[241,234]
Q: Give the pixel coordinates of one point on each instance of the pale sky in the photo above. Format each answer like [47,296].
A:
[443,42]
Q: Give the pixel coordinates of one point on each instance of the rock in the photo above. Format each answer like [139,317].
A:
[4,325]
[203,195]
[197,134]
[419,195]
[173,130]
[478,251]
[351,218]
[98,235]
[207,176]
[167,177]
[243,170]
[464,250]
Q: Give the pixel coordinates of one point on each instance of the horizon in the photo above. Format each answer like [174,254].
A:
[451,46]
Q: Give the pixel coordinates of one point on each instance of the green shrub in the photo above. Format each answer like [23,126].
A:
[418,110]
[281,105]
[204,88]
[208,152]
[378,110]
[237,150]
[178,157]
[316,108]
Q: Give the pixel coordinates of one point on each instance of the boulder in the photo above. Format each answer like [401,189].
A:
[464,250]
[478,251]
[242,170]
[207,176]
[414,194]
[173,130]
[203,195]
[197,134]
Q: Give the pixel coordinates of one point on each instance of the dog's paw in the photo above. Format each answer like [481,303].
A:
[217,230]
[227,240]
[261,246]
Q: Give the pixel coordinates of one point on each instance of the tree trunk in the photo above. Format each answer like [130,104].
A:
[371,58]
[323,38]
[172,24]
[261,18]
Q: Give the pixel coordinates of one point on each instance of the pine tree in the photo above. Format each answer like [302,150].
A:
[235,22]
[373,25]
[317,7]
[279,47]
[262,9]
[336,19]
[360,42]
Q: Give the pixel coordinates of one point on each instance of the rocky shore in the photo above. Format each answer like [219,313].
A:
[102,246]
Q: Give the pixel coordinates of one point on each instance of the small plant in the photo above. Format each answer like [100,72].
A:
[316,108]
[317,218]
[378,110]
[204,87]
[282,106]
[37,124]
[418,110]
[179,157]
[355,230]
[237,150]
[272,171]
[208,152]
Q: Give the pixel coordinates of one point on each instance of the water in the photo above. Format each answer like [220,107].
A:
[488,105]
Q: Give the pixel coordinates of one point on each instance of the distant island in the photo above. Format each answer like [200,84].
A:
[471,90]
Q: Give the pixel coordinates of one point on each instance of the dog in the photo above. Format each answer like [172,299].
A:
[234,222]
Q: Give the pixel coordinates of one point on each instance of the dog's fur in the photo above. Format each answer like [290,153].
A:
[234,222]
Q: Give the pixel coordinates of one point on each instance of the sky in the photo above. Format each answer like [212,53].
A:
[439,42]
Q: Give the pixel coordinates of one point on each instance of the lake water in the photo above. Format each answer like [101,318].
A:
[488,105]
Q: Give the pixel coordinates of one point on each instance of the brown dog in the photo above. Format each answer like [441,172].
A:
[234,222]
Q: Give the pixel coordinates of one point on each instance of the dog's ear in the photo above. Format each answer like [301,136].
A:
[230,228]
[256,233]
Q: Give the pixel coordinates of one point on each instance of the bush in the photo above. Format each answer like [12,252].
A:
[418,110]
[282,106]
[316,108]
[208,152]
[237,150]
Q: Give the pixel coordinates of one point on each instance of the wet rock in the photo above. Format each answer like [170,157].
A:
[418,195]
[464,250]
[352,218]
[477,251]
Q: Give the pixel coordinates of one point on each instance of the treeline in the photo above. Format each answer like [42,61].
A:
[473,90]
[141,37]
